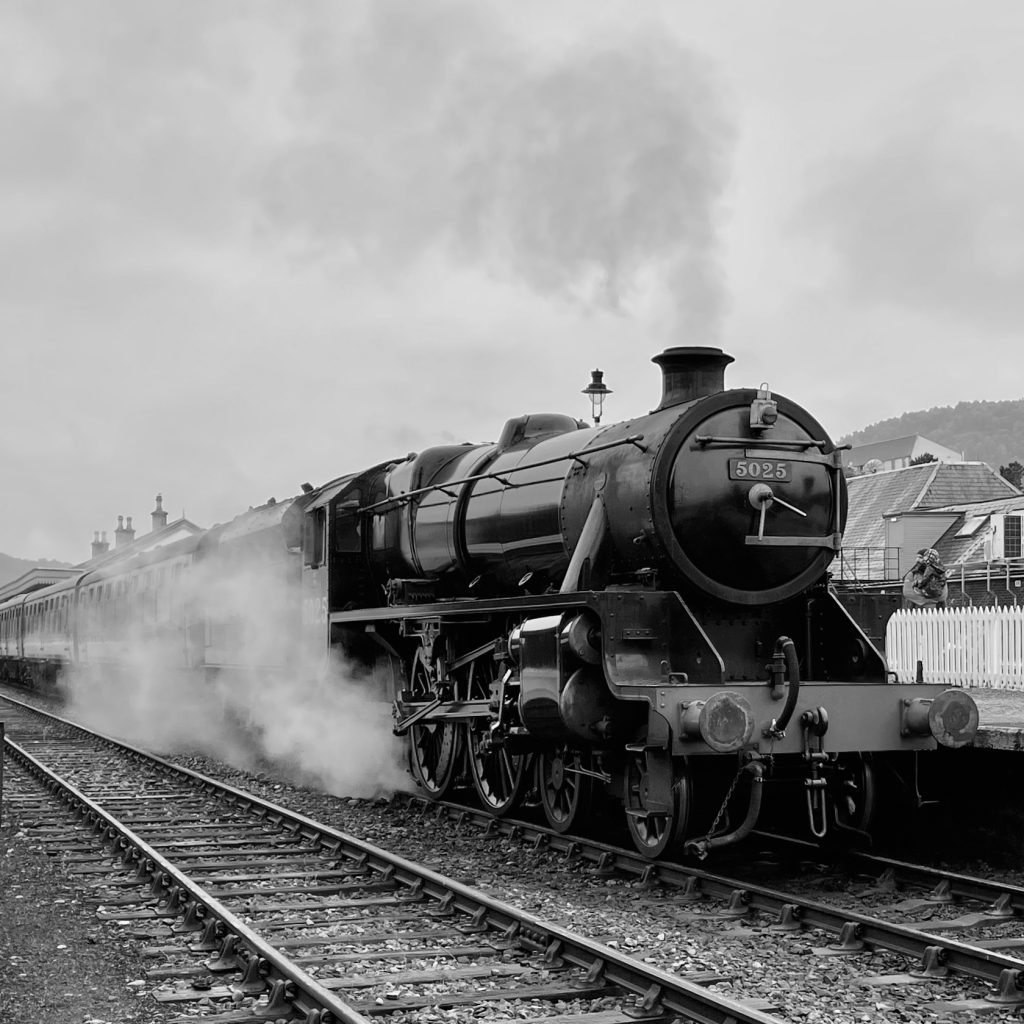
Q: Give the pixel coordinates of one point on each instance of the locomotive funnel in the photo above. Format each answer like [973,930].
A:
[690,373]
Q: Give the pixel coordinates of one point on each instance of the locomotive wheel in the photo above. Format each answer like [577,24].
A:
[655,825]
[853,792]
[565,795]
[435,748]
[498,776]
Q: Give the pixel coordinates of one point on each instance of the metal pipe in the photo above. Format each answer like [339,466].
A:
[700,848]
[784,649]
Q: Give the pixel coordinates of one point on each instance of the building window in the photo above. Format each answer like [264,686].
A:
[1011,537]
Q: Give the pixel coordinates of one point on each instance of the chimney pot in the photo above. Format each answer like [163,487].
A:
[123,534]
[158,514]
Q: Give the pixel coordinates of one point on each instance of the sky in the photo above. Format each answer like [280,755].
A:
[248,245]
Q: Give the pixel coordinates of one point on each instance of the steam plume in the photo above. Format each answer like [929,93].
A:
[426,130]
[318,721]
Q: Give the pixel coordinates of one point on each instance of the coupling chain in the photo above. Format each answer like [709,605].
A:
[725,802]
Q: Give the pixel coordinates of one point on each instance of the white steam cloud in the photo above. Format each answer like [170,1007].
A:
[315,720]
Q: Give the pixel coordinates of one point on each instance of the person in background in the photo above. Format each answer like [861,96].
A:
[926,583]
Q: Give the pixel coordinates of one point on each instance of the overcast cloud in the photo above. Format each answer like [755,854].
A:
[246,245]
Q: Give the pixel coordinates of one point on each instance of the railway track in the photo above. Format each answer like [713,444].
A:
[953,902]
[740,904]
[277,917]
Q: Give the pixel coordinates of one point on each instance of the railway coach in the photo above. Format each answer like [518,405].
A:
[223,600]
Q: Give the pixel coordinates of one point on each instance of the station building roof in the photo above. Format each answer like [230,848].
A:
[932,486]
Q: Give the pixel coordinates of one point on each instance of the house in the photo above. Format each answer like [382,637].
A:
[126,545]
[896,453]
[34,579]
[894,513]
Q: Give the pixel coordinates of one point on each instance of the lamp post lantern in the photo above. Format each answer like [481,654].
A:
[597,392]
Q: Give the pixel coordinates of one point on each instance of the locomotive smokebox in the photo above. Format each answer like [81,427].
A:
[690,373]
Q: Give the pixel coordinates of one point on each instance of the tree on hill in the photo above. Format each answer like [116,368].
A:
[984,431]
[1014,472]
[921,459]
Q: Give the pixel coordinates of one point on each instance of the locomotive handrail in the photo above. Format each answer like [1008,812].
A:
[763,442]
[578,456]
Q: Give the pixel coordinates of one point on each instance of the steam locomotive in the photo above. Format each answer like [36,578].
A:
[625,622]
[631,616]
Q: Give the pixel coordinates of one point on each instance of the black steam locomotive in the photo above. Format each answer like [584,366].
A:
[631,616]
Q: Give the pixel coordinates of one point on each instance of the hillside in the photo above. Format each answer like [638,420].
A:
[991,432]
[11,568]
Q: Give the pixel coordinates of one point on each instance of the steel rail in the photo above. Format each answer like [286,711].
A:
[952,884]
[851,926]
[655,989]
[980,889]
[314,998]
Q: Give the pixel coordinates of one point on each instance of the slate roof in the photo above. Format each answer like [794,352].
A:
[169,534]
[891,448]
[35,579]
[952,548]
[932,485]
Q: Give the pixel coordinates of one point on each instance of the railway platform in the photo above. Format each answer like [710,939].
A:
[1001,714]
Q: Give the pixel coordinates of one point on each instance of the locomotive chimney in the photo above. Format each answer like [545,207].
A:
[691,372]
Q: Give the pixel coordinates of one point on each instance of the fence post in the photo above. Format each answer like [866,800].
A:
[3,748]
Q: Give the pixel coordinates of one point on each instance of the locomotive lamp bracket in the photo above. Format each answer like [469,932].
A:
[764,410]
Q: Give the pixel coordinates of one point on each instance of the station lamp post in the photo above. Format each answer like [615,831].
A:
[596,392]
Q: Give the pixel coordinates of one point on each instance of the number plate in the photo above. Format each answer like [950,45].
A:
[760,469]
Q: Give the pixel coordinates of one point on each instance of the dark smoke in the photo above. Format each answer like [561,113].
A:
[426,130]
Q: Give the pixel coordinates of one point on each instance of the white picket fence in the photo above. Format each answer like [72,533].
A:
[958,646]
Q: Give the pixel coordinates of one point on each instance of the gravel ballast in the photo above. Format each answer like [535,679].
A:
[92,979]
